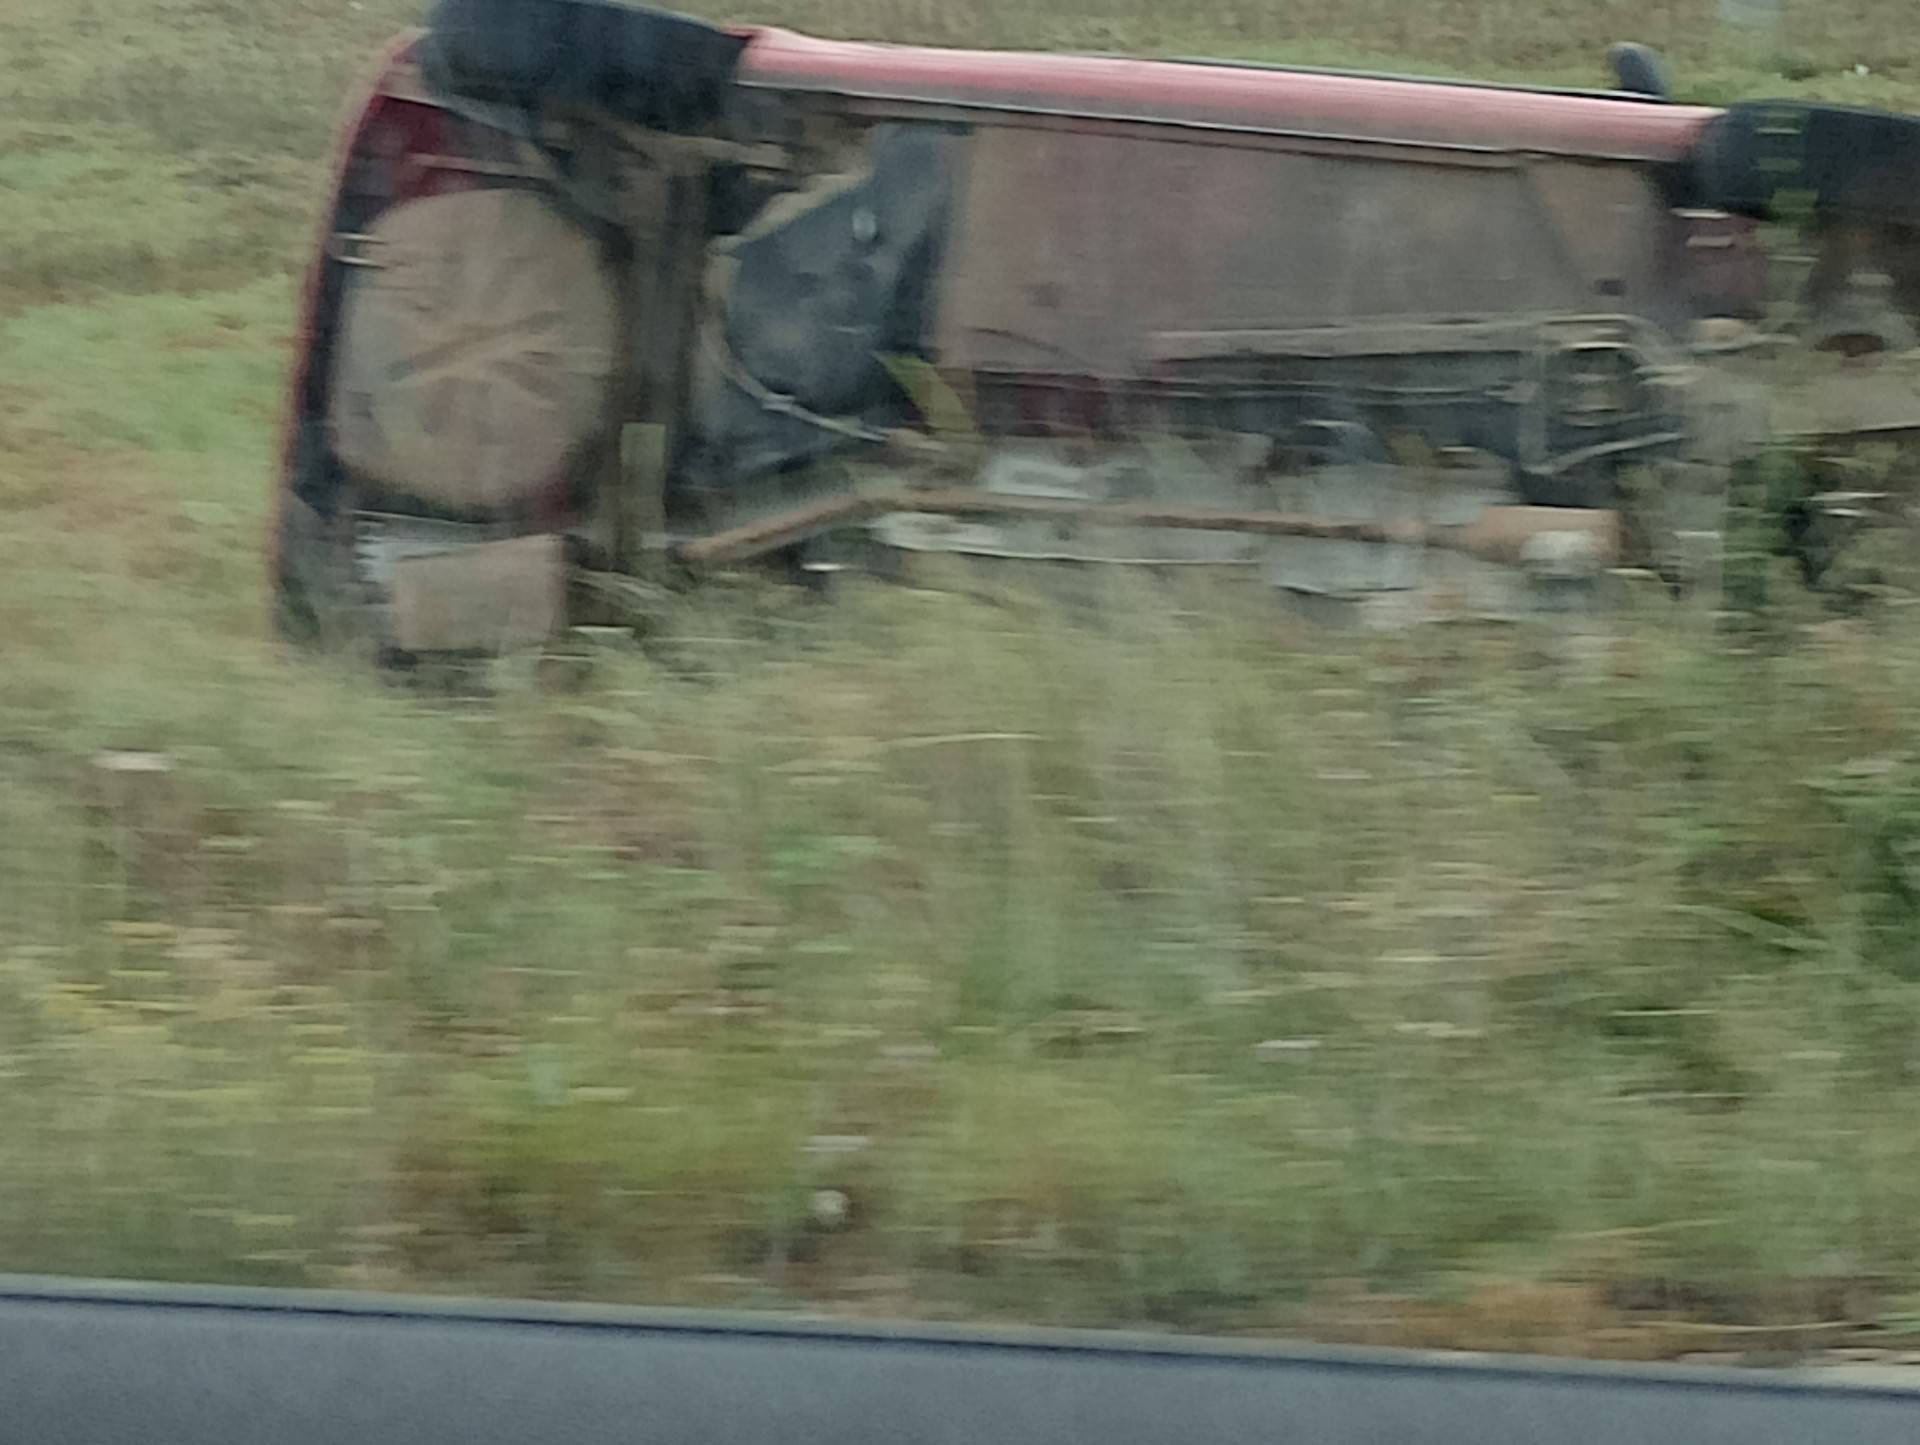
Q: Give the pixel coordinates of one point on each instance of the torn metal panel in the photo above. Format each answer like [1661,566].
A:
[1510,561]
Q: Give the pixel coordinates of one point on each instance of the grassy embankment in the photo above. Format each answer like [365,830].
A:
[1162,964]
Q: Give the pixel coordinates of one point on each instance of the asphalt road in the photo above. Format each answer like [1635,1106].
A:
[101,1362]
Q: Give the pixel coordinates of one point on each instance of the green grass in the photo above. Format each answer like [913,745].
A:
[1161,962]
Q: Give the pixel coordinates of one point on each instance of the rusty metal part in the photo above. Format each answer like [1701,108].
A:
[1498,533]
[784,529]
[490,598]
[475,357]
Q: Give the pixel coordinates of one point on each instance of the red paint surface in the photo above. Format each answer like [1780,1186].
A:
[1230,96]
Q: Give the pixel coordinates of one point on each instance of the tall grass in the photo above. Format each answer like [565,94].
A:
[1133,957]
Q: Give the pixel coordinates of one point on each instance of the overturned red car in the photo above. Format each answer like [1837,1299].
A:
[603,292]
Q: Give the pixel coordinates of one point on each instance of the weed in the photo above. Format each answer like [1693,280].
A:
[1164,962]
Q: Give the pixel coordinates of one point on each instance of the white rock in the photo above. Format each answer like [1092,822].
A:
[908,1056]
[837,1146]
[1287,1051]
[115,761]
[1562,554]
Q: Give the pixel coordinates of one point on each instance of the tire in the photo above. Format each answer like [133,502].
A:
[654,69]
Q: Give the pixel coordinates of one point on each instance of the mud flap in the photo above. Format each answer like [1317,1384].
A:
[493,598]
